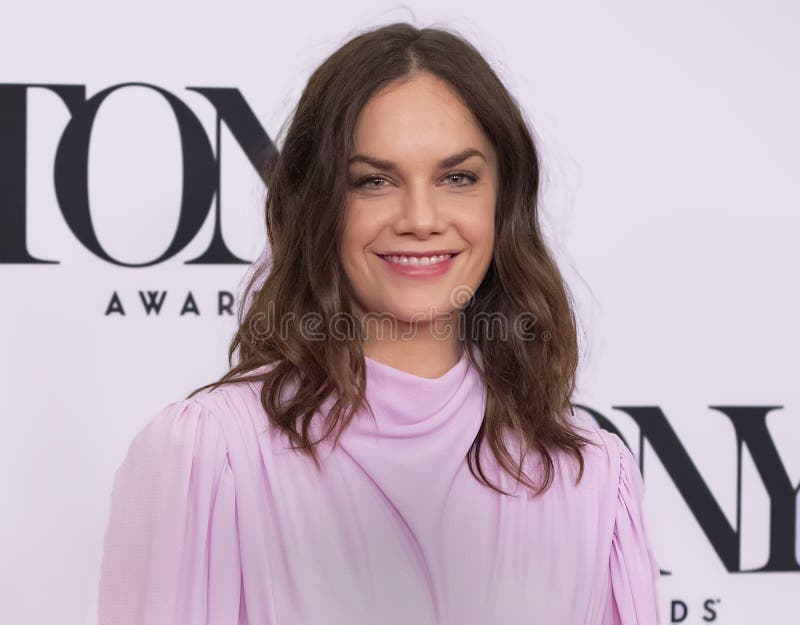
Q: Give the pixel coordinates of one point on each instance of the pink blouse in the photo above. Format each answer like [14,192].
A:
[215,521]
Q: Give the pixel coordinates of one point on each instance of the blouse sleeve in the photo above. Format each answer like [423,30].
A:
[633,571]
[170,550]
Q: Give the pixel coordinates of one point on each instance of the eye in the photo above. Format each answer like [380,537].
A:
[363,183]
[463,176]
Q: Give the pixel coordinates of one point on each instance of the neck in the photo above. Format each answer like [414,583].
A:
[425,348]
[423,358]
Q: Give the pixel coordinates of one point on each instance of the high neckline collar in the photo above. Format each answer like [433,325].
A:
[402,399]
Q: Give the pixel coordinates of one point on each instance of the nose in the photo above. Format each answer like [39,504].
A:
[419,214]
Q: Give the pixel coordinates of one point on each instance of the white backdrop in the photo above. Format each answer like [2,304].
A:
[669,137]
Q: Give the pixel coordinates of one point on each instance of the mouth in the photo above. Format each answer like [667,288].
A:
[419,259]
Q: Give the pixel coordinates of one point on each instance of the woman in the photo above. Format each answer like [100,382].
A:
[396,443]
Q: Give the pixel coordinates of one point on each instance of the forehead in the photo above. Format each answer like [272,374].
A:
[421,118]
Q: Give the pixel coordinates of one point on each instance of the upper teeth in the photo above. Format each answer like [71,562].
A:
[417,260]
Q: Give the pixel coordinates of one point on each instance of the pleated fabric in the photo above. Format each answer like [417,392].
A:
[214,520]
[632,566]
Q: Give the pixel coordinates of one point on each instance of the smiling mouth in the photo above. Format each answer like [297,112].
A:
[418,260]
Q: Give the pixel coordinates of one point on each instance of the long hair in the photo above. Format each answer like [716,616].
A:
[529,383]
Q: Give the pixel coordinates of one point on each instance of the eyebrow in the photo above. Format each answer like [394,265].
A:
[449,161]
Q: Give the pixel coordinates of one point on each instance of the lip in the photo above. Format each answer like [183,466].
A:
[419,254]
[420,271]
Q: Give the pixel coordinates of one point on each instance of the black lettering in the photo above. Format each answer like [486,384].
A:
[189,305]
[71,175]
[150,302]
[115,305]
[225,302]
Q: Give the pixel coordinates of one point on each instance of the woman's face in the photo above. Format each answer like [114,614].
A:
[423,180]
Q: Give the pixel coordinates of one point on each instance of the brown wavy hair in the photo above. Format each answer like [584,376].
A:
[529,382]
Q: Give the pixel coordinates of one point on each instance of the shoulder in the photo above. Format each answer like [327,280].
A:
[181,433]
[195,426]
[605,446]
[234,413]
[617,467]
[609,463]
[190,443]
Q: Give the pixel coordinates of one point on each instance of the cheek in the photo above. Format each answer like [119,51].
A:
[481,237]
[479,230]
[357,235]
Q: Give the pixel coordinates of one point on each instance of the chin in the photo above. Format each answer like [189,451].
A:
[421,313]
